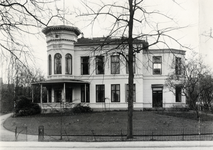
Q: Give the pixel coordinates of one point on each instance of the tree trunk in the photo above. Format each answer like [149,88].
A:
[131,74]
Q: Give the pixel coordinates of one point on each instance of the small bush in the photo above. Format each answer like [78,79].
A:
[24,107]
[79,108]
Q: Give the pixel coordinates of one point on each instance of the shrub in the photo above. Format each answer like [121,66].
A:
[24,107]
[80,108]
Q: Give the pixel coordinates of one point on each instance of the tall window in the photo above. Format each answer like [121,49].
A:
[50,64]
[157,65]
[127,66]
[178,93]
[85,65]
[177,65]
[57,60]
[115,93]
[68,63]
[127,93]
[85,93]
[100,93]
[99,64]
[115,64]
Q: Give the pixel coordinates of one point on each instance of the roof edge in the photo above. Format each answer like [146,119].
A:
[48,29]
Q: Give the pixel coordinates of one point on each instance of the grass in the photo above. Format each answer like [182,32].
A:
[109,122]
[188,115]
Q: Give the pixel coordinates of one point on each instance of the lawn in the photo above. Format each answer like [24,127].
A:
[109,122]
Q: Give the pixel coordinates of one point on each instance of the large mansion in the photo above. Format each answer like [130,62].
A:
[83,70]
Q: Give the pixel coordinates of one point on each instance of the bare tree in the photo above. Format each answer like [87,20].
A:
[126,17]
[20,18]
[193,81]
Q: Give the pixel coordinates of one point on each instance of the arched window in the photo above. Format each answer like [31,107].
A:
[57,61]
[50,64]
[68,63]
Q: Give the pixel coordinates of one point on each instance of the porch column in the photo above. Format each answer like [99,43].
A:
[64,92]
[48,97]
[52,95]
[41,94]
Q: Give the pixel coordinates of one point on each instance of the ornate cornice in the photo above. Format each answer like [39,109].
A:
[61,27]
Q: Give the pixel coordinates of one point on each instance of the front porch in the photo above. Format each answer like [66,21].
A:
[61,93]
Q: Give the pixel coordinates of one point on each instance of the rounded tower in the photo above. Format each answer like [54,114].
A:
[60,50]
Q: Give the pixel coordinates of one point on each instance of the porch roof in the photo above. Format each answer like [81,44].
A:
[58,81]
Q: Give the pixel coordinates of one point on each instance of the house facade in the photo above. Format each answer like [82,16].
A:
[95,72]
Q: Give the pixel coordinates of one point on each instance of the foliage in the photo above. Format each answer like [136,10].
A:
[196,83]
[24,107]
[80,108]
[7,104]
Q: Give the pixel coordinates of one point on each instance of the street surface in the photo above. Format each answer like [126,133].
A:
[195,145]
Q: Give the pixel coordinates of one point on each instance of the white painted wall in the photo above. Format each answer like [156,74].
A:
[144,77]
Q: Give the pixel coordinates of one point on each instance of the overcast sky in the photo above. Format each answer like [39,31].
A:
[195,14]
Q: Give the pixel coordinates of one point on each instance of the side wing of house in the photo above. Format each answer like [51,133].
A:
[158,64]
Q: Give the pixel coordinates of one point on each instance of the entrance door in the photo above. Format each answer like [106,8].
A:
[157,97]
[68,94]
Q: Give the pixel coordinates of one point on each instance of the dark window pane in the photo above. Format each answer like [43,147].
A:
[50,65]
[115,64]
[99,64]
[100,93]
[178,93]
[127,93]
[127,66]
[115,93]
[57,60]
[68,63]
[178,65]
[84,65]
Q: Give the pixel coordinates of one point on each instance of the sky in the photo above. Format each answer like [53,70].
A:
[194,15]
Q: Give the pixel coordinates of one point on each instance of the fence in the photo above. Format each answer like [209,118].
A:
[45,134]
[120,135]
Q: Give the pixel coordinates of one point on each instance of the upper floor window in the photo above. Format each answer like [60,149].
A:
[115,93]
[157,65]
[178,93]
[57,61]
[178,70]
[99,64]
[115,64]
[127,66]
[68,64]
[49,65]
[85,65]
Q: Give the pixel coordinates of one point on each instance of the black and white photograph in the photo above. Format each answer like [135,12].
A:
[106,74]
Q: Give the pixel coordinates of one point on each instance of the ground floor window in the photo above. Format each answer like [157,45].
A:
[85,90]
[115,93]
[178,94]
[127,92]
[100,93]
